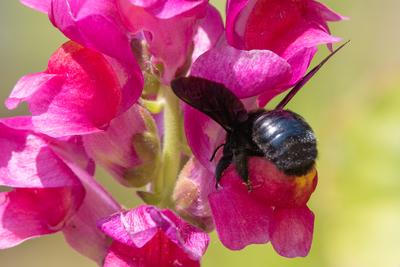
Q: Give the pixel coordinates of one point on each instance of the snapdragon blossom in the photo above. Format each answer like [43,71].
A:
[79,93]
[51,189]
[291,29]
[105,100]
[238,64]
[147,236]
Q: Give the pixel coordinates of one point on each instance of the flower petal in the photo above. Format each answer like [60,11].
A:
[291,29]
[113,148]
[191,192]
[271,186]
[139,227]
[240,219]
[292,231]
[234,10]
[85,102]
[131,81]
[160,252]
[26,160]
[167,9]
[39,5]
[284,25]
[28,213]
[211,27]
[133,228]
[77,19]
[168,32]
[188,238]
[80,230]
[30,84]
[203,136]
[325,12]
[246,73]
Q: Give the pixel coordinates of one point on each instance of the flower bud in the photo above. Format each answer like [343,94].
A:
[190,195]
[147,147]
[129,149]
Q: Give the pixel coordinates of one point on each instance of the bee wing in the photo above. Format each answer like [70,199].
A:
[211,98]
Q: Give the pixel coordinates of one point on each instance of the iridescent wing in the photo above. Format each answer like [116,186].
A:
[211,98]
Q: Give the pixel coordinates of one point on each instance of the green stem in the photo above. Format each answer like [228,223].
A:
[171,148]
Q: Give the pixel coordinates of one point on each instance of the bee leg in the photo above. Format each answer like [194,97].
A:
[223,163]
[241,163]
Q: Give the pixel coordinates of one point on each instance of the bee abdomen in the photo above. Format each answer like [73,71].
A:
[286,140]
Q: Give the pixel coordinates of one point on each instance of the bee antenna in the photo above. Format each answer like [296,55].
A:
[306,78]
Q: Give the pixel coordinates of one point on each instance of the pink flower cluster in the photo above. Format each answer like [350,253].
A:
[94,106]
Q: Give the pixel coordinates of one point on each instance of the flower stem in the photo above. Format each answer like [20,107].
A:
[171,156]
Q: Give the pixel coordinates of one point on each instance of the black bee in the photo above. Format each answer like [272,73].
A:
[280,135]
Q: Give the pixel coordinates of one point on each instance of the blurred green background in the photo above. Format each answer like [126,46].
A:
[353,105]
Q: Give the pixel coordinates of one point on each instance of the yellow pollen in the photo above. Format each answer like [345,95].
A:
[304,183]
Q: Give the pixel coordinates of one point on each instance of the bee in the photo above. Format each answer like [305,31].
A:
[279,135]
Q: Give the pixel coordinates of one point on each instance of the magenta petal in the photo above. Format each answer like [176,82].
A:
[188,238]
[292,231]
[246,73]
[84,101]
[28,85]
[233,13]
[26,160]
[300,61]
[77,19]
[120,255]
[191,192]
[28,213]
[297,23]
[142,225]
[211,27]
[166,9]
[169,38]
[18,123]
[203,135]
[310,38]
[240,219]
[71,149]
[160,252]
[131,81]
[325,12]
[80,230]
[39,5]
[291,29]
[133,228]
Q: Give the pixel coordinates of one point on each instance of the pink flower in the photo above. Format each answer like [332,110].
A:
[168,28]
[191,192]
[262,57]
[147,236]
[274,211]
[247,73]
[129,149]
[209,30]
[172,28]
[49,192]
[80,92]
[291,29]
[93,24]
